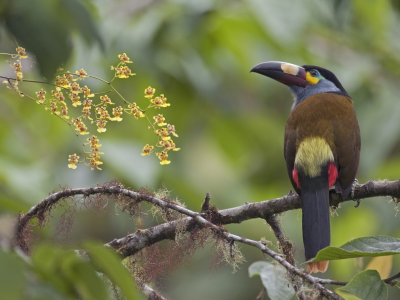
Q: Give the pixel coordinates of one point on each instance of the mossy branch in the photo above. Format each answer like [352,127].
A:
[135,242]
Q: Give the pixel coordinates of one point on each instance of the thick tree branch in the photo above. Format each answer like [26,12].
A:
[238,214]
[292,201]
[142,238]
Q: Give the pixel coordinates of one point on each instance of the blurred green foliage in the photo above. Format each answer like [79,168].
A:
[55,274]
[230,123]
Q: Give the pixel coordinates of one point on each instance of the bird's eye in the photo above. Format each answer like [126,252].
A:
[314,73]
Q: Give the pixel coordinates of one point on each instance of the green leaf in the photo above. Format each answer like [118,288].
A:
[367,285]
[274,280]
[65,272]
[84,277]
[110,264]
[366,246]
[82,20]
[12,279]
[346,295]
[44,27]
[46,37]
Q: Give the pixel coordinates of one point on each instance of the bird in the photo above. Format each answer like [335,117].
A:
[321,146]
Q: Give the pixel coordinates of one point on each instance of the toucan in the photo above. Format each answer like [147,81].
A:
[321,146]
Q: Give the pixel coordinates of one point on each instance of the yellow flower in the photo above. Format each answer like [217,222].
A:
[75,99]
[149,92]
[117,112]
[86,114]
[164,101]
[86,92]
[147,149]
[169,145]
[64,112]
[41,96]
[87,104]
[106,100]
[163,156]
[102,111]
[58,96]
[62,81]
[73,160]
[123,72]
[163,133]
[68,76]
[171,130]
[75,89]
[95,161]
[156,101]
[160,101]
[81,74]
[160,120]
[17,66]
[124,58]
[21,52]
[93,140]
[101,124]
[20,76]
[94,146]
[80,126]
[53,108]
[135,111]
[95,164]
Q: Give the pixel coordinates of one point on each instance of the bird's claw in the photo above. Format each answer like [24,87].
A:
[355,182]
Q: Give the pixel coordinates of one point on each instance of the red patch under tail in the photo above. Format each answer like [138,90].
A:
[332,174]
[295,176]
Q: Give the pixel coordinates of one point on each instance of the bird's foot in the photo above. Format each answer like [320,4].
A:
[355,182]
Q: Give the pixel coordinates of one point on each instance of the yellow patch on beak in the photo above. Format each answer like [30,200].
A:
[290,69]
[310,79]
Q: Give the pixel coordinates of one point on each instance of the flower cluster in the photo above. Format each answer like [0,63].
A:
[163,133]
[121,70]
[97,111]
[80,126]
[160,101]
[81,74]
[73,160]
[41,96]
[21,52]
[117,112]
[17,66]
[95,153]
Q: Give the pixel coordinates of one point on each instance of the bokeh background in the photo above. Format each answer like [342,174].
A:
[230,122]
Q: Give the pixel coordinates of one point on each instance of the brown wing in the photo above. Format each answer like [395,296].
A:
[290,151]
[347,143]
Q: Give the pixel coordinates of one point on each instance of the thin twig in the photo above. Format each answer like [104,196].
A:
[390,279]
[261,294]
[286,247]
[148,291]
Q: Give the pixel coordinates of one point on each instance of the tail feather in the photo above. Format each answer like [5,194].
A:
[316,227]
[319,266]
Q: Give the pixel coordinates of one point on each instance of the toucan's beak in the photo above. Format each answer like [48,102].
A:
[283,72]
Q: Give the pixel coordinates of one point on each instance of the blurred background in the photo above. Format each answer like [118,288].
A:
[230,122]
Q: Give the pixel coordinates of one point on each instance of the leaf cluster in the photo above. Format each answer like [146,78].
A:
[54,273]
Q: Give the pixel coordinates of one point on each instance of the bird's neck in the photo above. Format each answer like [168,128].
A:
[300,94]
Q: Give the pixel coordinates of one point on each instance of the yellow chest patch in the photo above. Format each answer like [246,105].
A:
[312,154]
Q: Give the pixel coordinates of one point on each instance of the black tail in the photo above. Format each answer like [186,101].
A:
[315,203]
